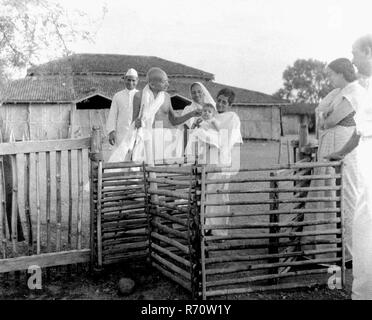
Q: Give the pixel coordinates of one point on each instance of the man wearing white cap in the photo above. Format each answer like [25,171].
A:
[121,112]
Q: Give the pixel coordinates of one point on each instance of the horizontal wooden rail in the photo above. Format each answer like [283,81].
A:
[305,165]
[45,260]
[271,225]
[267,179]
[43,146]
[252,202]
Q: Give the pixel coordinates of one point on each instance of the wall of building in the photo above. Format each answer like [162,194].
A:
[38,121]
[259,122]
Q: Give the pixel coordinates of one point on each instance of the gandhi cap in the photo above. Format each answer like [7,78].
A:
[131,72]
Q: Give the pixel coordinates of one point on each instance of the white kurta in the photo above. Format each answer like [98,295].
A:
[121,114]
[362,226]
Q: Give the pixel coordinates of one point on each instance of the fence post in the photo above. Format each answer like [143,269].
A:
[96,159]
[340,225]
[303,136]
[147,210]
[274,218]
[196,232]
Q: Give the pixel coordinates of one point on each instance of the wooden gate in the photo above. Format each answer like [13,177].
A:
[48,204]
[273,235]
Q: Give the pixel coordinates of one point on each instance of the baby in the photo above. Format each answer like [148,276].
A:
[208,118]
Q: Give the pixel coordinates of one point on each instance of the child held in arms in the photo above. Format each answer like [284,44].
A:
[208,118]
[205,131]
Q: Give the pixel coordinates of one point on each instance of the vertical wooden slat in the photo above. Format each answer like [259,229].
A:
[58,200]
[274,218]
[14,203]
[69,235]
[99,208]
[3,220]
[202,223]
[27,178]
[147,209]
[48,200]
[38,229]
[340,225]
[80,198]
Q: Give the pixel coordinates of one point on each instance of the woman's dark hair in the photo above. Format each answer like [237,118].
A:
[345,67]
[227,93]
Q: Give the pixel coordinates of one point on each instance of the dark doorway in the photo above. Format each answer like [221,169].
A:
[95,102]
[179,103]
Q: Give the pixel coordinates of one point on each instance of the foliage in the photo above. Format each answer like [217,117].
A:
[305,82]
[39,30]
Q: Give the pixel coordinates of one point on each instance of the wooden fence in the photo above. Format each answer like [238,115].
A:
[44,226]
[266,244]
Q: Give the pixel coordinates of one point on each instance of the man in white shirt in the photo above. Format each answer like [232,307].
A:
[362,139]
[121,112]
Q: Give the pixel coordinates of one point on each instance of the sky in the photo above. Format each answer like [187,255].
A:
[247,43]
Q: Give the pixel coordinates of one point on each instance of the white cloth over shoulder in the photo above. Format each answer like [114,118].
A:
[150,105]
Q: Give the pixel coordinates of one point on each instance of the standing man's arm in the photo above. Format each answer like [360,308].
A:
[111,121]
[177,120]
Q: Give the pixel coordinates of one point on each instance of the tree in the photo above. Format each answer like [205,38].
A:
[35,30]
[305,82]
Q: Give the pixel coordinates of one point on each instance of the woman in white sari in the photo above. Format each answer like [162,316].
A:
[225,153]
[335,118]
[199,95]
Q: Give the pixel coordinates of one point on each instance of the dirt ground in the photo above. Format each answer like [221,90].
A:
[149,283]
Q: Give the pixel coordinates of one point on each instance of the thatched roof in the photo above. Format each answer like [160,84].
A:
[62,88]
[115,64]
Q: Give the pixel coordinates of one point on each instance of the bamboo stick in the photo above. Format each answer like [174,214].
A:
[38,218]
[122,198]
[171,255]
[120,165]
[48,200]
[280,178]
[123,175]
[241,280]
[253,202]
[268,212]
[171,242]
[277,235]
[279,190]
[169,275]
[121,183]
[256,257]
[214,169]
[170,206]
[171,218]
[244,268]
[125,235]
[169,230]
[177,170]
[202,224]
[80,198]
[171,266]
[272,224]
[14,202]
[130,256]
[125,228]
[58,200]
[177,183]
[175,194]
[241,245]
[121,208]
